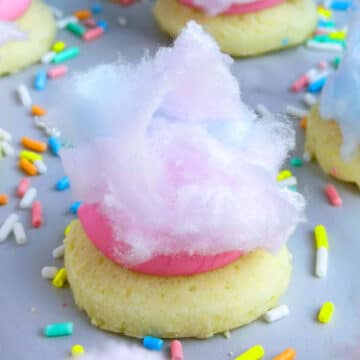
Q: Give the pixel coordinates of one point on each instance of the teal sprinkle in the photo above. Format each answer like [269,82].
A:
[296,161]
[285,42]
[293,188]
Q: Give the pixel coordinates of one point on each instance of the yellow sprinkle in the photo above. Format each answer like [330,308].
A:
[58,46]
[60,278]
[326,312]
[67,229]
[284,174]
[321,239]
[77,350]
[324,12]
[337,35]
[30,155]
[255,353]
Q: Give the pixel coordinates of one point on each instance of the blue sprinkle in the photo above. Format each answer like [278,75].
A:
[285,41]
[316,86]
[153,343]
[75,207]
[63,184]
[96,9]
[103,24]
[325,23]
[54,145]
[341,5]
[40,80]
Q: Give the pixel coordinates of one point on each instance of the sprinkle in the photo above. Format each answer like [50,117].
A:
[63,184]
[37,110]
[77,351]
[75,207]
[56,12]
[324,46]
[303,122]
[62,23]
[28,198]
[332,195]
[6,148]
[27,167]
[322,65]
[90,23]
[57,71]
[67,54]
[284,174]
[4,135]
[76,29]
[59,252]
[296,161]
[68,227]
[49,272]
[4,199]
[29,155]
[288,354]
[321,238]
[60,278]
[103,24]
[324,12]
[277,313]
[23,187]
[337,35]
[58,46]
[36,214]
[122,21]
[19,233]
[40,80]
[24,95]
[54,145]
[96,9]
[48,57]
[290,181]
[176,350]
[322,246]
[60,329]
[309,99]
[294,111]
[93,34]
[153,343]
[83,14]
[336,61]
[341,5]
[8,225]
[40,166]
[255,353]
[317,84]
[326,312]
[34,145]
[307,156]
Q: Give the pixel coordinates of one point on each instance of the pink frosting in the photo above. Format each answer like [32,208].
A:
[11,10]
[243,8]
[101,235]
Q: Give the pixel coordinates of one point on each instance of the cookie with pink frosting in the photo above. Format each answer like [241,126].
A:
[27,30]
[183,227]
[242,27]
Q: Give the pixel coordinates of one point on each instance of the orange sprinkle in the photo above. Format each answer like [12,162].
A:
[37,110]
[83,14]
[4,199]
[28,167]
[34,145]
[303,122]
[288,354]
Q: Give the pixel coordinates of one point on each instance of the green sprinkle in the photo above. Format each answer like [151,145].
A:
[337,61]
[65,55]
[60,329]
[296,161]
[76,29]
[324,38]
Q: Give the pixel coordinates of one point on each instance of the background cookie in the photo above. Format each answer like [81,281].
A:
[40,26]
[282,26]
[324,140]
[136,304]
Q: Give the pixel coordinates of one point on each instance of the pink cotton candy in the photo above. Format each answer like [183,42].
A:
[173,159]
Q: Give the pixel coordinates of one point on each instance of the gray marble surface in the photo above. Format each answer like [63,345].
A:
[27,302]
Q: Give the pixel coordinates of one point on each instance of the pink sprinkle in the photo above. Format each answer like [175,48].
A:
[93,33]
[323,65]
[320,32]
[300,83]
[90,23]
[332,195]
[334,172]
[176,350]
[126,2]
[57,71]
[37,219]
[23,187]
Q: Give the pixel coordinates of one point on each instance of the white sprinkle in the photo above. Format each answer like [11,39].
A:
[311,73]
[227,334]
[294,111]
[4,135]
[8,226]
[58,252]
[309,99]
[24,95]
[324,46]
[28,198]
[47,58]
[122,21]
[49,272]
[319,75]
[19,233]
[321,262]
[40,165]
[52,132]
[6,148]
[56,12]
[277,313]
[39,123]
[290,181]
[307,157]
[263,111]
[66,20]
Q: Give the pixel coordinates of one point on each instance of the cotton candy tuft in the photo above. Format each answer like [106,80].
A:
[173,157]
[9,31]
